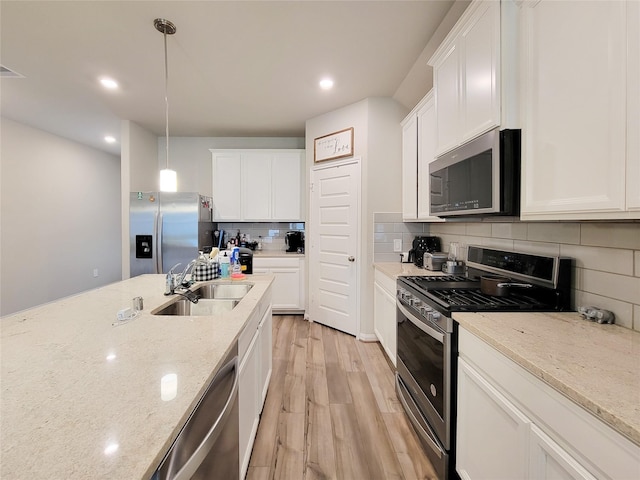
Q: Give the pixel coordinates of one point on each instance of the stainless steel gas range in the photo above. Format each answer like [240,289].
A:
[427,346]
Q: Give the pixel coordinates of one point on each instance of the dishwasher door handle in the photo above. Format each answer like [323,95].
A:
[201,452]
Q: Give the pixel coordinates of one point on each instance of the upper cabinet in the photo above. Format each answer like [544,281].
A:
[418,150]
[473,77]
[258,185]
[580,107]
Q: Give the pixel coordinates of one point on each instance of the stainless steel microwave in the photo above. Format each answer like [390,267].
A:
[481,177]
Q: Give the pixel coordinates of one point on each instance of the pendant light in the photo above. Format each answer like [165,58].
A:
[168,177]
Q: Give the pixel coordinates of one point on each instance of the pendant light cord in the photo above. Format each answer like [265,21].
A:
[166,95]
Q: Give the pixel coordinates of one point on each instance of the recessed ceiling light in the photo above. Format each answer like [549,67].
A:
[109,139]
[109,83]
[326,83]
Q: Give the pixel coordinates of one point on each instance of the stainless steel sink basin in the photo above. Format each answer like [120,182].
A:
[203,307]
[223,290]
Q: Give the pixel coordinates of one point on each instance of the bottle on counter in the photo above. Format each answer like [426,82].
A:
[224,265]
[259,247]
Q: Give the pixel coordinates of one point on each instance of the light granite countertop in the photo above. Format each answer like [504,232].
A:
[596,366]
[81,398]
[397,269]
[276,254]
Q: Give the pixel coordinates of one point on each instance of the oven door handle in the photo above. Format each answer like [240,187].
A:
[426,435]
[432,332]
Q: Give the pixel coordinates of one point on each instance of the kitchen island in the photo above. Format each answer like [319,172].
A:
[81,391]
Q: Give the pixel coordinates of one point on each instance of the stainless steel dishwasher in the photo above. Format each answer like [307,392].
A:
[207,446]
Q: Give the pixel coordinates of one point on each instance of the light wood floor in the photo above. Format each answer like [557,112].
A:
[332,412]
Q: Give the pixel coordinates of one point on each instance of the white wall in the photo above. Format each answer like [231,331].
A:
[378,142]
[60,217]
[191,159]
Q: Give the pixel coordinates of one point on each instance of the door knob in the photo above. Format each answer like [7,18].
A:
[351,259]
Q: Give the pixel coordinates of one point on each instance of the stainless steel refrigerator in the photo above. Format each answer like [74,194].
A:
[168,228]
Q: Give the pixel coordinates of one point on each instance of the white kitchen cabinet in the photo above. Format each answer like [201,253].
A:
[384,313]
[580,157]
[410,167]
[418,150]
[247,402]
[258,185]
[227,179]
[473,84]
[255,359]
[510,424]
[289,283]
[265,364]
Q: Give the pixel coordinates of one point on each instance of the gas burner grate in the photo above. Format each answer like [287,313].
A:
[439,278]
[474,299]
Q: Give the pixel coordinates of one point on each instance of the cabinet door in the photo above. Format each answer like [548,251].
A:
[410,168]
[247,403]
[574,108]
[426,155]
[633,107]
[286,288]
[480,67]
[265,364]
[226,186]
[256,186]
[446,79]
[286,186]
[491,432]
[384,313]
[550,461]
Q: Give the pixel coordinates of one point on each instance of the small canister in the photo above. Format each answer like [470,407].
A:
[137,304]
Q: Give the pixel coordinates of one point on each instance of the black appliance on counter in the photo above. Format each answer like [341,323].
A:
[427,336]
[245,255]
[294,242]
[422,245]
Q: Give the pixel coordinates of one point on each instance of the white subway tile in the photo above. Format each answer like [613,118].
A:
[617,235]
[479,229]
[539,248]
[554,232]
[515,231]
[637,262]
[621,287]
[498,243]
[612,260]
[622,310]
[385,227]
[636,317]
[456,228]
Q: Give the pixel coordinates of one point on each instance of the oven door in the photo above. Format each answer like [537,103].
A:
[424,365]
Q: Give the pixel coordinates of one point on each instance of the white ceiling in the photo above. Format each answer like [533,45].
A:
[236,68]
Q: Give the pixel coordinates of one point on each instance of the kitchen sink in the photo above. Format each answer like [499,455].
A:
[223,290]
[210,306]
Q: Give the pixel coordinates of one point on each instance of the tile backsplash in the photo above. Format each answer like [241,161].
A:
[607,254]
[272,233]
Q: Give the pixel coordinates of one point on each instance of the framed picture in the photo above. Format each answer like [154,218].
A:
[332,146]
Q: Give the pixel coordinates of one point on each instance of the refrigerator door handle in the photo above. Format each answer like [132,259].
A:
[158,230]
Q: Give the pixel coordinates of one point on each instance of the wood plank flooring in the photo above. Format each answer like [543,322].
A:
[332,412]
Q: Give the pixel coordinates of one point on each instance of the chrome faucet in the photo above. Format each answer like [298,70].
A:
[180,280]
[170,283]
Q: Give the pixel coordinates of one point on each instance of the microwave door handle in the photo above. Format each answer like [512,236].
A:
[432,332]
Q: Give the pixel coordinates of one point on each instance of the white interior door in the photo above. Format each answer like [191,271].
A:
[334,247]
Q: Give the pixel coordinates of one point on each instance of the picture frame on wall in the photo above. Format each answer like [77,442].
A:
[334,145]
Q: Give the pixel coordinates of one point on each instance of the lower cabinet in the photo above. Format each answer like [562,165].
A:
[255,357]
[510,424]
[288,286]
[384,313]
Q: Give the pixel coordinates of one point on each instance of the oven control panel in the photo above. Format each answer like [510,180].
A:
[418,306]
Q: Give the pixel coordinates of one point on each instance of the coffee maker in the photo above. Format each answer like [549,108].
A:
[294,242]
[422,245]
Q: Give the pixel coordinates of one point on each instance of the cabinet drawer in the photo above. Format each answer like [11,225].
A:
[276,262]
